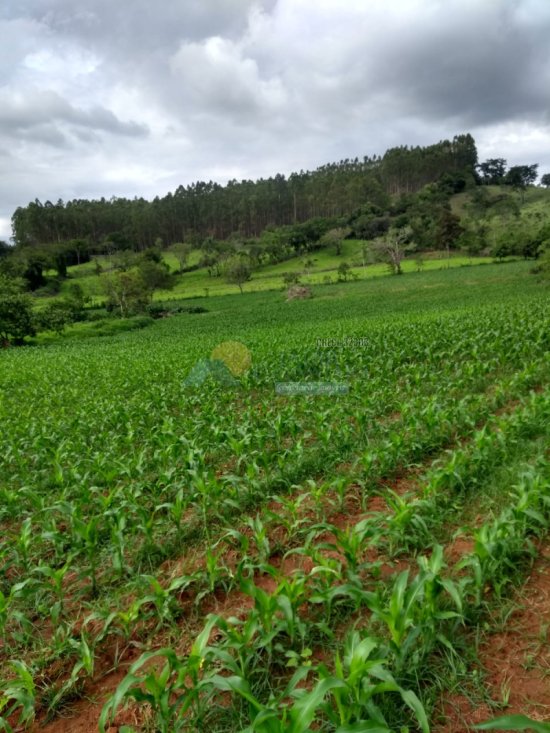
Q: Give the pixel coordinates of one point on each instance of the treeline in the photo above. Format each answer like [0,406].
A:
[246,208]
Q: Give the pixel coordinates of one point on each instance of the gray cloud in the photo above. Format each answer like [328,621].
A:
[47,111]
[128,98]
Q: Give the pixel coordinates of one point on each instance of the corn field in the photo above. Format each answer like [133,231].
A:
[237,559]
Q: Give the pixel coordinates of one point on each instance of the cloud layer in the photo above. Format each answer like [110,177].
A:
[129,98]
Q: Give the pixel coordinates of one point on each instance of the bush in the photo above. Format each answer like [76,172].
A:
[161,310]
[543,264]
[157,310]
[16,318]
[52,287]
[56,316]
[291,278]
[192,309]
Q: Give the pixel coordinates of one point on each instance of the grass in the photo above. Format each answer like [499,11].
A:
[431,291]
[269,277]
[93,329]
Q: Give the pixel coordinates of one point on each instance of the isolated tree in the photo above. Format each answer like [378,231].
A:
[308,265]
[59,259]
[473,238]
[124,260]
[76,298]
[545,180]
[81,248]
[55,316]
[125,292]
[335,238]
[153,254]
[155,276]
[35,262]
[16,318]
[238,270]
[521,176]
[369,227]
[503,247]
[181,250]
[392,248]
[419,262]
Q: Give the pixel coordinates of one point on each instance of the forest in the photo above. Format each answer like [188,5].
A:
[245,208]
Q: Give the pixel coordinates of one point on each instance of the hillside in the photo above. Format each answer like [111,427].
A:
[269,277]
[247,208]
[533,212]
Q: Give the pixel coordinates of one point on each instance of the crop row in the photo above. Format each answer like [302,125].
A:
[338,580]
[265,663]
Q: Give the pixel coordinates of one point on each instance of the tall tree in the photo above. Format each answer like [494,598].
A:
[238,271]
[521,176]
[492,171]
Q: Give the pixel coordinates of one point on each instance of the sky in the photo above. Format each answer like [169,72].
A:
[133,98]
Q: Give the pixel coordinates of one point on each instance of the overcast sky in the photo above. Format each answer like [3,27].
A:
[132,97]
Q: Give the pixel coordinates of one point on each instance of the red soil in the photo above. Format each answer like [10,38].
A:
[516,660]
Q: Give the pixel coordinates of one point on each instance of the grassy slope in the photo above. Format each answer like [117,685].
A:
[430,292]
[536,207]
[270,277]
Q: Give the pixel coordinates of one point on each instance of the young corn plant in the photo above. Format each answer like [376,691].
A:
[294,711]
[121,623]
[365,682]
[215,575]
[289,516]
[163,600]
[18,695]
[407,526]
[24,543]
[54,578]
[415,613]
[352,542]
[84,666]
[514,722]
[175,693]
[276,613]
[498,547]
[437,592]
[87,537]
[118,542]
[15,627]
